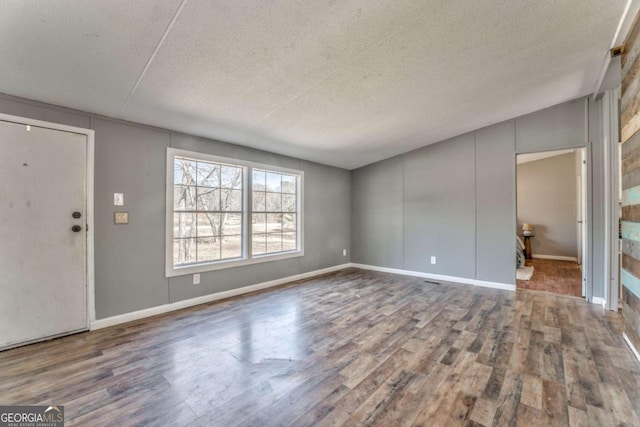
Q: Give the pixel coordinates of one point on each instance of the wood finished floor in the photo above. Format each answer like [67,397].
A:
[353,348]
[559,277]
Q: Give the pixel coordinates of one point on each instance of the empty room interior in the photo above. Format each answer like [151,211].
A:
[358,213]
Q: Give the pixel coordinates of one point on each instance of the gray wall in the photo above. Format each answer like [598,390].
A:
[453,200]
[456,199]
[439,208]
[129,260]
[547,193]
[377,213]
[495,164]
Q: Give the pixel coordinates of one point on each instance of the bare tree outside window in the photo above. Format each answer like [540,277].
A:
[224,212]
[208,214]
[274,215]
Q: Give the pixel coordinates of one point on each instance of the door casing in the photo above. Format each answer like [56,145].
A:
[587,253]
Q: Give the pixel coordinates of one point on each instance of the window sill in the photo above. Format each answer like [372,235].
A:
[221,265]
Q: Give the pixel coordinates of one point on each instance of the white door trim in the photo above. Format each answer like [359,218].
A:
[611,140]
[90,134]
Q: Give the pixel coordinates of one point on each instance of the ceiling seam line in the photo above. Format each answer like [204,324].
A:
[340,67]
[154,53]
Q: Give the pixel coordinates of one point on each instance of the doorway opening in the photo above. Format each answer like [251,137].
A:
[551,212]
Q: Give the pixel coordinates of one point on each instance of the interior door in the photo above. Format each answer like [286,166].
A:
[43,232]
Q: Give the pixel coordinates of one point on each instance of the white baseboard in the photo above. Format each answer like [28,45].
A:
[556,257]
[474,282]
[165,308]
[599,301]
[633,349]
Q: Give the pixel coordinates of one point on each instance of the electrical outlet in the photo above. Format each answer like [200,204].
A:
[196,279]
[344,252]
[433,260]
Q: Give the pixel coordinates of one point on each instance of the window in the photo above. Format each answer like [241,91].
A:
[274,212]
[224,212]
[207,211]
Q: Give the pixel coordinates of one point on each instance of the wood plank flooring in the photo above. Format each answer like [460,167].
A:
[354,348]
[559,277]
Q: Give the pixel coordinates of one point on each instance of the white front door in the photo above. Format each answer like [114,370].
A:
[43,233]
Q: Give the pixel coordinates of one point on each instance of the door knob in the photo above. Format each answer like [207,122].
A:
[76,214]
[76,228]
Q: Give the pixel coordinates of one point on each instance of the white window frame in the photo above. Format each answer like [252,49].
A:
[247,257]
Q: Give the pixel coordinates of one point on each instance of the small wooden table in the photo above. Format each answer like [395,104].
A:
[527,247]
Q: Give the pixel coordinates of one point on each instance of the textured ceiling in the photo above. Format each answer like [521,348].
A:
[344,83]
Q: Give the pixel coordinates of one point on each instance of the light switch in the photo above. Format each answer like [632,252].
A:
[121,218]
[118,199]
